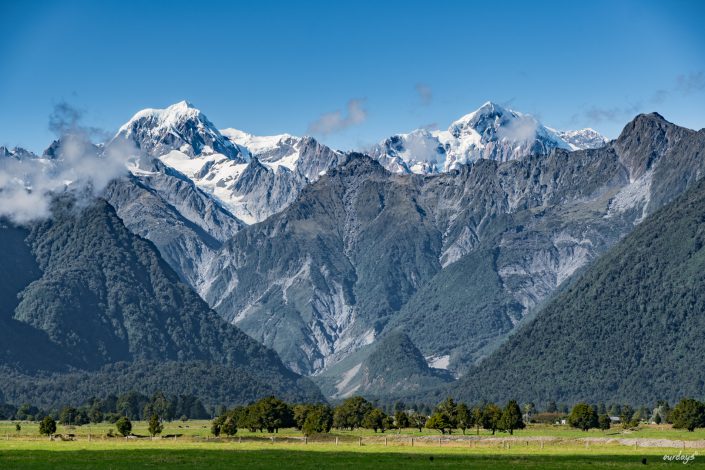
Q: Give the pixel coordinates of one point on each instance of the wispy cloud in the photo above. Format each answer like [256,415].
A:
[28,184]
[336,121]
[690,83]
[425,93]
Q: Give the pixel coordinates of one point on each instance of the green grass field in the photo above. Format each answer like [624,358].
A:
[562,448]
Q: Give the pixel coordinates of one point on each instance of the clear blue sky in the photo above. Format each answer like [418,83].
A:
[273,67]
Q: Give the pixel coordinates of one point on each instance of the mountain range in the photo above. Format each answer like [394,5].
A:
[426,252]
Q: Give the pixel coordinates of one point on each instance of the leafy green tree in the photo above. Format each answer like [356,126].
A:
[155,426]
[440,422]
[417,420]
[491,414]
[95,415]
[688,414]
[551,407]
[388,422]
[477,418]
[627,414]
[299,413]
[350,413]
[217,425]
[401,420]
[161,406]
[374,419]
[450,408]
[273,414]
[18,428]
[511,418]
[230,425]
[47,427]
[319,419]
[464,417]
[68,415]
[604,422]
[583,417]
[124,426]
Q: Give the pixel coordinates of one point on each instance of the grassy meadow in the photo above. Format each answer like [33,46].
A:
[190,445]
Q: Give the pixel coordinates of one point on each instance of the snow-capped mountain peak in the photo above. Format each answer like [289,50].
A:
[583,138]
[492,131]
[180,127]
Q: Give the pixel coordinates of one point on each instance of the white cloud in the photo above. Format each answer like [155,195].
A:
[27,185]
[337,121]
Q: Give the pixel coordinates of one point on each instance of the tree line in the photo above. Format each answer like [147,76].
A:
[687,414]
[132,405]
[271,414]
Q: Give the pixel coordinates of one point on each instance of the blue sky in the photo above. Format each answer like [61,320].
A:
[385,67]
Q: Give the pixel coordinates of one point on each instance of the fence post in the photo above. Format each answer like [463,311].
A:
[385,441]
[360,442]
[305,439]
[412,442]
[336,440]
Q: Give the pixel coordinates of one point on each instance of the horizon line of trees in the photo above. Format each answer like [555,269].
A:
[271,414]
[132,405]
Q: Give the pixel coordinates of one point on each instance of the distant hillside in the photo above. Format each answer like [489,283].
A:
[630,330]
[393,363]
[100,295]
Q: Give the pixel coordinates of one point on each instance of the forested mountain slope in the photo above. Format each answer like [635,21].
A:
[630,330]
[90,294]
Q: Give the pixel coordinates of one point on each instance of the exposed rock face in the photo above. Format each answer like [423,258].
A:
[454,260]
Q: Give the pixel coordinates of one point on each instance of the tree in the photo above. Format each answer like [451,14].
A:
[626,415]
[230,425]
[464,417]
[604,422]
[155,426]
[217,425]
[124,426]
[350,413]
[583,417]
[401,420]
[688,414]
[18,428]
[68,415]
[477,417]
[319,419]
[529,409]
[48,426]
[417,420]
[440,422]
[299,413]
[95,415]
[161,406]
[374,419]
[552,407]
[511,418]
[491,414]
[273,414]
[450,408]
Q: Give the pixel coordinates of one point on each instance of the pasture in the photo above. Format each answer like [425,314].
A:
[189,445]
